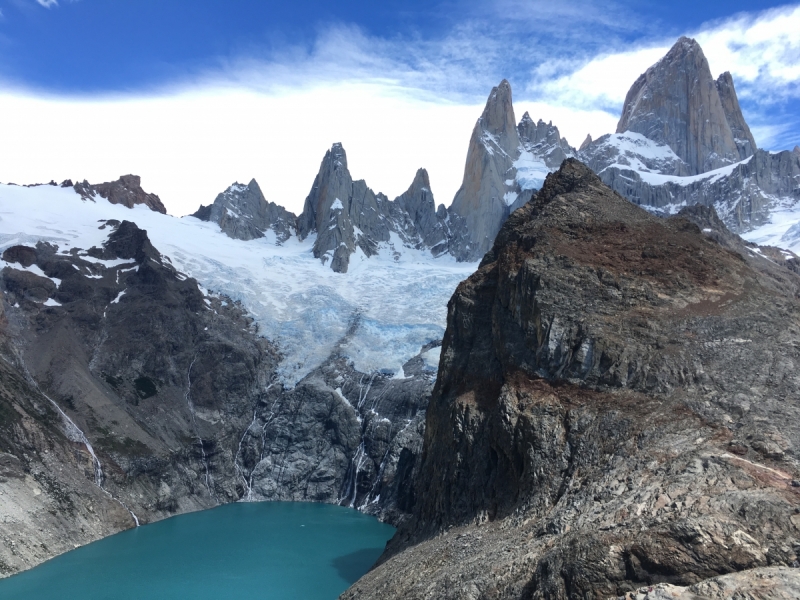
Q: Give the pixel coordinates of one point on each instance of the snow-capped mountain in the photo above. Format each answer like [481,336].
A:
[506,162]
[682,140]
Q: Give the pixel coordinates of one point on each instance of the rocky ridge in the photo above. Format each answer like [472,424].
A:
[589,432]
[506,161]
[127,190]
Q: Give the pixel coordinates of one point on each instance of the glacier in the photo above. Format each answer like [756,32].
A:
[380,314]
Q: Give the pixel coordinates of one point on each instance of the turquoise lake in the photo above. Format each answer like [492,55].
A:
[270,550]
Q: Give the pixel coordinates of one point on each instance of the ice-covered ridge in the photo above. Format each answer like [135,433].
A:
[634,152]
[531,171]
[397,299]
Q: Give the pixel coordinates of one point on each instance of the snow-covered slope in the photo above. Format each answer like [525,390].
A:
[782,231]
[388,307]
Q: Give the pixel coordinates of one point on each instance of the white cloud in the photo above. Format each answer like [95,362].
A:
[188,147]
[47,3]
[396,105]
[761,51]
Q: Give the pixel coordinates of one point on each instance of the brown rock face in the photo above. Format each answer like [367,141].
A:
[677,102]
[616,407]
[127,190]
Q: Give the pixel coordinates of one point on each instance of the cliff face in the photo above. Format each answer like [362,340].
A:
[615,407]
[481,200]
[677,102]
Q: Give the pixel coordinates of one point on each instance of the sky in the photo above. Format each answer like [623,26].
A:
[194,95]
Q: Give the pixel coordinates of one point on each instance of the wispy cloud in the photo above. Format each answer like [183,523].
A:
[47,3]
[281,108]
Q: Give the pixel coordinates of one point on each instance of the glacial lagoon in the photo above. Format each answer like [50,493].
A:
[269,550]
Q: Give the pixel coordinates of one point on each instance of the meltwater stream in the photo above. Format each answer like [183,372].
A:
[267,550]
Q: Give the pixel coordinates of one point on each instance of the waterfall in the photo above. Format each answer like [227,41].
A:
[189,402]
[75,434]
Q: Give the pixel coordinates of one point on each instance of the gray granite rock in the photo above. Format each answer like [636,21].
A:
[481,200]
[677,102]
[733,114]
[243,213]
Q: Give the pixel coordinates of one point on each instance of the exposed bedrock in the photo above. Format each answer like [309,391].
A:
[616,407]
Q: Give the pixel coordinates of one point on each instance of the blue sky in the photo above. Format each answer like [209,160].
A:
[94,63]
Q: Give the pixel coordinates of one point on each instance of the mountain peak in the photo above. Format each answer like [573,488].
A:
[677,102]
[421,179]
[337,155]
[498,116]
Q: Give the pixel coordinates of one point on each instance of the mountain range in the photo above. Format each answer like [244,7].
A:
[603,380]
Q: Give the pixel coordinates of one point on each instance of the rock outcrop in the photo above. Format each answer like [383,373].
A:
[243,213]
[615,408]
[127,190]
[678,103]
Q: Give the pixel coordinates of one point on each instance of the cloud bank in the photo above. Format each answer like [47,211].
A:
[395,103]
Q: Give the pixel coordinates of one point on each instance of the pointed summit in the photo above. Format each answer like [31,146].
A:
[243,213]
[586,142]
[677,102]
[498,118]
[733,113]
[489,176]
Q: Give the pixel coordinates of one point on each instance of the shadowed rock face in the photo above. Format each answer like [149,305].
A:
[127,190]
[677,102]
[733,114]
[615,407]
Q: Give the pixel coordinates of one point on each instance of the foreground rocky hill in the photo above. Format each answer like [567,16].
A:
[617,406]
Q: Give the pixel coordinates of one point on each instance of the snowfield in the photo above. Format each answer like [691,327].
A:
[391,304]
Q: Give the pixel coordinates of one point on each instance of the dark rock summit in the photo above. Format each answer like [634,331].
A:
[615,408]
[127,190]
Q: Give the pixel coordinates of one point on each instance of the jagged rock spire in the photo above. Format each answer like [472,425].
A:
[243,213]
[733,114]
[677,102]
[480,203]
